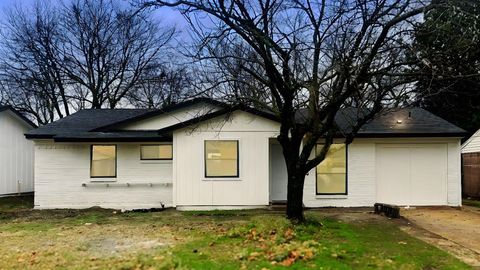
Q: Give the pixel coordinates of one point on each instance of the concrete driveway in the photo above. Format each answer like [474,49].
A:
[454,230]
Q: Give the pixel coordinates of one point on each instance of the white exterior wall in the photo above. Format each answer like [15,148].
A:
[360,180]
[454,173]
[16,155]
[472,145]
[194,191]
[361,174]
[62,168]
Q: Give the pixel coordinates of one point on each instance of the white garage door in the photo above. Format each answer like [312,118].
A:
[412,174]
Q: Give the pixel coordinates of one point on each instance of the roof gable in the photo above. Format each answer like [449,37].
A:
[169,118]
[472,145]
[18,115]
[215,114]
[236,120]
[157,112]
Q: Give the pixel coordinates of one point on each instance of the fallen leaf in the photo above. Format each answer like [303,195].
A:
[253,256]
[288,261]
[289,234]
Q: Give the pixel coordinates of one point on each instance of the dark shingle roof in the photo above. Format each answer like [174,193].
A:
[84,121]
[399,122]
[100,124]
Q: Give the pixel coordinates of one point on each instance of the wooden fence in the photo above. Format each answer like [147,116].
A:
[471,175]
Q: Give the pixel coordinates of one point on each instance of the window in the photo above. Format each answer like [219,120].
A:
[103,161]
[332,171]
[156,152]
[221,159]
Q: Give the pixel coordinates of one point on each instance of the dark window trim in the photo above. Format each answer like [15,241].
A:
[205,159]
[91,160]
[346,174]
[156,145]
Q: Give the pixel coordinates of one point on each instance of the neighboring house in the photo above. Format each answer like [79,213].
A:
[471,166]
[202,154]
[16,153]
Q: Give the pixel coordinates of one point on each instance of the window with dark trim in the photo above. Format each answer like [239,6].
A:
[156,152]
[331,173]
[103,161]
[221,158]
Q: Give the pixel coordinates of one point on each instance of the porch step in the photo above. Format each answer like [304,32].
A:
[278,205]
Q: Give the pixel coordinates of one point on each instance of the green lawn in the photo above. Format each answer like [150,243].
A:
[260,239]
[471,202]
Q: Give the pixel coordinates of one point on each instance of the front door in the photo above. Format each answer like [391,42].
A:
[278,174]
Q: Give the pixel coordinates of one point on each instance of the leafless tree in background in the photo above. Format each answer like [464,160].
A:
[29,69]
[84,54]
[161,86]
[309,59]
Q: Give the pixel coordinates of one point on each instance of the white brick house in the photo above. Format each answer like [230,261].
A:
[190,156]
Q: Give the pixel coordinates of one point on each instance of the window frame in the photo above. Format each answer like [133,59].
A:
[140,149]
[346,174]
[91,161]
[205,159]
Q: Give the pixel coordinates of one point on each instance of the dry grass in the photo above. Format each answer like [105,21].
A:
[106,239]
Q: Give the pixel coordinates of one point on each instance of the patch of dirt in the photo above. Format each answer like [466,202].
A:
[456,231]
[105,246]
[33,215]
[351,215]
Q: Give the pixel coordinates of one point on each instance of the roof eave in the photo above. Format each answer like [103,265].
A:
[38,136]
[411,135]
[104,140]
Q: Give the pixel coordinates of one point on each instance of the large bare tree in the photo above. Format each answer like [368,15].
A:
[83,54]
[309,59]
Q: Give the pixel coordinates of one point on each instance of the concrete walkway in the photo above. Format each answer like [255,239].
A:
[454,230]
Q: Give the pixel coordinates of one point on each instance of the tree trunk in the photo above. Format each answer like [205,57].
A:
[296,182]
